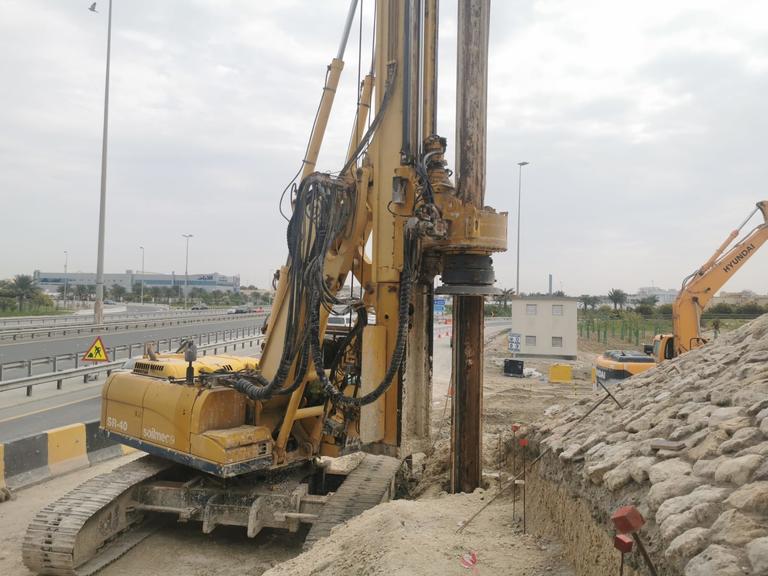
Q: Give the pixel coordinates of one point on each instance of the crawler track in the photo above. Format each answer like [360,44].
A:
[369,484]
[80,533]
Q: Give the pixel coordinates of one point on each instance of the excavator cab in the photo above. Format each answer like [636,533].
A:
[663,347]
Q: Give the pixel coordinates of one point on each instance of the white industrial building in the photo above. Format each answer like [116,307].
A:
[50,281]
[547,326]
[663,295]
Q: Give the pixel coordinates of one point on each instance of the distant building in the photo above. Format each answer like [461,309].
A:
[739,298]
[50,281]
[547,326]
[663,295]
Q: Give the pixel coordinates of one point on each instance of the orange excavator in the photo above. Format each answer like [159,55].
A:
[698,289]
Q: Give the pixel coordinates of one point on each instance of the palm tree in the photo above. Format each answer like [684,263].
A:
[81,292]
[618,297]
[24,288]
[651,301]
[117,292]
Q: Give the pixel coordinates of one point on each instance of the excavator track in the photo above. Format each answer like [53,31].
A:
[369,484]
[91,526]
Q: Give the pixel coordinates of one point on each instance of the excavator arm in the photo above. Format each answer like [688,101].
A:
[699,288]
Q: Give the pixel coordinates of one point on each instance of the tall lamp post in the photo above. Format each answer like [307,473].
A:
[66,261]
[186,269]
[519,203]
[98,308]
[142,273]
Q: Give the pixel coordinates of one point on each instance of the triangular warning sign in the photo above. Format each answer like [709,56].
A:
[97,352]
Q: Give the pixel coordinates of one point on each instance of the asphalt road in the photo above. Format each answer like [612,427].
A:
[80,402]
[19,351]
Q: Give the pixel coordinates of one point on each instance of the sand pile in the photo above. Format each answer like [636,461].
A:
[409,537]
[689,448]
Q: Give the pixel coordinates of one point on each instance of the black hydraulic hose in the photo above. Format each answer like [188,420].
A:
[404,297]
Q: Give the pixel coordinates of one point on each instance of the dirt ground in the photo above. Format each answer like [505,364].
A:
[425,543]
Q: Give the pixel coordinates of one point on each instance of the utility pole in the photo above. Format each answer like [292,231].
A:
[66,261]
[142,273]
[186,269]
[519,203]
[98,309]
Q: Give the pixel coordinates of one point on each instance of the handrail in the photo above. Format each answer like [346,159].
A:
[18,334]
[29,381]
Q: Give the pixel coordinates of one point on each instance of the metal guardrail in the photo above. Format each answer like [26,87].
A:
[202,339]
[31,333]
[86,372]
[61,320]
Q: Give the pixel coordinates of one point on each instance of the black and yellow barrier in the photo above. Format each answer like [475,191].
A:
[36,458]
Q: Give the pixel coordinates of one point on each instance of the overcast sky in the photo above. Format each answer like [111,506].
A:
[644,122]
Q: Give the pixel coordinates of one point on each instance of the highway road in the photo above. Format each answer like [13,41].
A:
[78,402]
[20,351]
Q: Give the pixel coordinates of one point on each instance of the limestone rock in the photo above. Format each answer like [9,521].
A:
[607,459]
[638,425]
[698,515]
[684,431]
[701,415]
[759,449]
[710,446]
[639,466]
[741,439]
[733,424]
[688,544]
[617,478]
[616,437]
[764,427]
[757,552]
[738,470]
[761,473]
[733,527]
[714,561]
[671,488]
[668,469]
[758,407]
[679,504]
[706,468]
[719,415]
[570,452]
[750,498]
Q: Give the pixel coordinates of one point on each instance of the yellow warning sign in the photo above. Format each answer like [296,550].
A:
[97,352]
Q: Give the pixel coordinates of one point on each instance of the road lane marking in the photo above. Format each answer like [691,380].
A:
[49,409]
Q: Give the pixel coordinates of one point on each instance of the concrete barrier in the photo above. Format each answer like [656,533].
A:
[30,460]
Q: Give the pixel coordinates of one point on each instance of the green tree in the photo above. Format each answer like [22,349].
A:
[117,292]
[24,289]
[81,292]
[618,297]
[664,310]
[720,308]
[651,300]
[503,297]
[751,308]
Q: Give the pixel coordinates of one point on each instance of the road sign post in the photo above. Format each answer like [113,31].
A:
[96,352]
[513,342]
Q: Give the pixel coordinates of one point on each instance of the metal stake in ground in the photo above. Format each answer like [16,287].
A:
[515,428]
[524,446]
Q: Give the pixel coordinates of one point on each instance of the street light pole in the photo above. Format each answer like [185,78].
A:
[519,203]
[142,274]
[66,261]
[98,308]
[186,269]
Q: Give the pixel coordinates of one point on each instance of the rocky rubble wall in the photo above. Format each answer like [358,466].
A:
[689,448]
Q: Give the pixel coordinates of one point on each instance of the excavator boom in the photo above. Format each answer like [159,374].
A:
[701,286]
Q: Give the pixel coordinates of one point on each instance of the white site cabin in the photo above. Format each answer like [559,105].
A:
[547,326]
